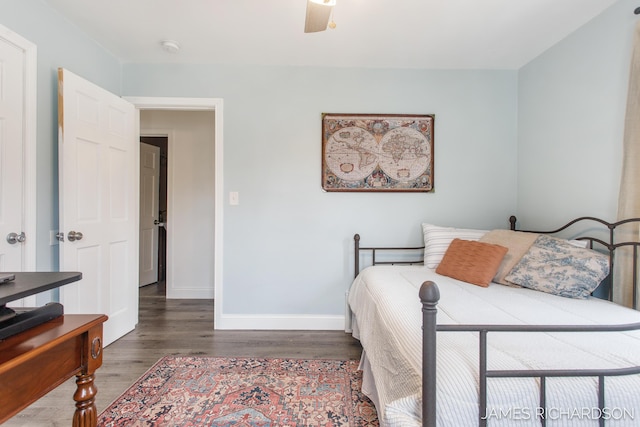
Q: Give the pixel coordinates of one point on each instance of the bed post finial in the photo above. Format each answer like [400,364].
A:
[429,296]
[512,222]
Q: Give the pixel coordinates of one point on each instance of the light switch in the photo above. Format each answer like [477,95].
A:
[234,198]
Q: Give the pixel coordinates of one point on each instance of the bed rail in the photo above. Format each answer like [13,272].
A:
[389,250]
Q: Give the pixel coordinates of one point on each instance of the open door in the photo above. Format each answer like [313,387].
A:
[98,184]
[149,213]
[17,155]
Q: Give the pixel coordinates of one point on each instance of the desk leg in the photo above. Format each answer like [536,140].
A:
[86,414]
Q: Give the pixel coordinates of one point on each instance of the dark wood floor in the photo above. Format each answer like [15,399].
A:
[179,327]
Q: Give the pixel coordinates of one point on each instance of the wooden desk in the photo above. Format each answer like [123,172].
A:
[36,361]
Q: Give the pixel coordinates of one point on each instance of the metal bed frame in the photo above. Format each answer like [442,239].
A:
[429,296]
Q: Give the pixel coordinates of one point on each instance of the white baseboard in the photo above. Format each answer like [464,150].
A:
[281,322]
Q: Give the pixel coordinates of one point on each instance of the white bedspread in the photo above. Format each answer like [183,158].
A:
[388,320]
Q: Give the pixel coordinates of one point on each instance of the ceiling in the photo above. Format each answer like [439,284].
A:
[441,34]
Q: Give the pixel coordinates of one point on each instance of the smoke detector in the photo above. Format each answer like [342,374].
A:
[170,46]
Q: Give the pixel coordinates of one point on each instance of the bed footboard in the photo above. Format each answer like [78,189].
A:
[430,295]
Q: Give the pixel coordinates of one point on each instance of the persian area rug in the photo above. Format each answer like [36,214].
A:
[217,392]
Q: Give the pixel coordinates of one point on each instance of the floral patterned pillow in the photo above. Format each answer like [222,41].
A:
[557,267]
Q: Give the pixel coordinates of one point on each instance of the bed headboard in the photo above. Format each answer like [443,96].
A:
[601,235]
[605,237]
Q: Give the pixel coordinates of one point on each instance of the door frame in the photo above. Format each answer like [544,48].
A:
[200,104]
[29,139]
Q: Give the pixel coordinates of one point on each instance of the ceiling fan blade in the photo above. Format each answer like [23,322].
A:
[317,16]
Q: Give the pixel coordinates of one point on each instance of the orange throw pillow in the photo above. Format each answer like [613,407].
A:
[471,261]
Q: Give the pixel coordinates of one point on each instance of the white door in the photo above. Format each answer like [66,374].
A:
[149,212]
[99,180]
[17,136]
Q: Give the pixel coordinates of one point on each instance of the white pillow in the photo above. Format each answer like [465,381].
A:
[437,240]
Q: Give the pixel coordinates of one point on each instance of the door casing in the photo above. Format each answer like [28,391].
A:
[200,104]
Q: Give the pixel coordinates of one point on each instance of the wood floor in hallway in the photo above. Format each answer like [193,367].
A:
[179,327]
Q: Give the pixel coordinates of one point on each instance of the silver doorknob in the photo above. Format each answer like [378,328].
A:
[14,238]
[72,236]
[158,223]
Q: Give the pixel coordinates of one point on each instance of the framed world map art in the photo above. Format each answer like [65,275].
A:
[377,152]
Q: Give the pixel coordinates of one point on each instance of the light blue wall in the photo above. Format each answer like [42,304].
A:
[59,44]
[287,245]
[541,141]
[571,107]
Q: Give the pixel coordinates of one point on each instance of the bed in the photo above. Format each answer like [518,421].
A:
[509,353]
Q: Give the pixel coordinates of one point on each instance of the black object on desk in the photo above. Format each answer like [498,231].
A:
[13,321]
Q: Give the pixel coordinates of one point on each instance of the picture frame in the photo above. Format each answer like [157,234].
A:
[377,152]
